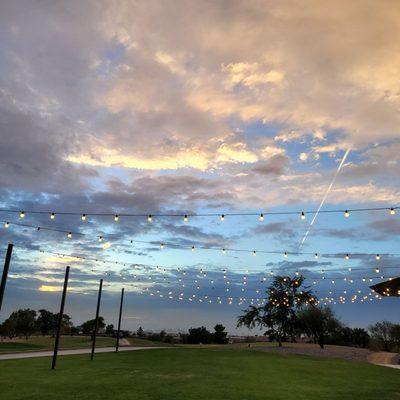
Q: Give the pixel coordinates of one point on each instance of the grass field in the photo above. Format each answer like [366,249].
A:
[37,343]
[194,374]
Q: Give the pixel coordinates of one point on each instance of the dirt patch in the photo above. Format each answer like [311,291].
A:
[342,352]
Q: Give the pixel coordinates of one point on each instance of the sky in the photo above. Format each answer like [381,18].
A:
[212,107]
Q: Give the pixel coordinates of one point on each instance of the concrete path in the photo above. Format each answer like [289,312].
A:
[389,365]
[33,354]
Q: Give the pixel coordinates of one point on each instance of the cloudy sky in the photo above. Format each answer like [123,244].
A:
[212,107]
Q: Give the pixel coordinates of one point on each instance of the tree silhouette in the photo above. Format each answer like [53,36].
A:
[284,297]
[317,322]
[220,334]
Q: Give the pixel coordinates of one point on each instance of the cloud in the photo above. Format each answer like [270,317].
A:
[280,229]
[276,165]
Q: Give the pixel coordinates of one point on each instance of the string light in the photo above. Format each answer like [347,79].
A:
[6,225]
[254,253]
[316,256]
[378,257]
[175,245]
[22,214]
[161,246]
[192,248]
[261,217]
[346,214]
[392,211]
[223,251]
[69,235]
[100,238]
[185,218]
[83,217]
[149,218]
[52,215]
[222,217]
[303,216]
[116,218]
[377,270]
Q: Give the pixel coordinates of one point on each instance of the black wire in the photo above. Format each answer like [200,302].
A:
[230,214]
[202,247]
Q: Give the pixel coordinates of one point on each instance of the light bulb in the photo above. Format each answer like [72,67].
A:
[377,270]
[185,218]
[346,214]
[149,218]
[377,257]
[161,245]
[52,215]
[392,211]
[83,217]
[222,217]
[192,248]
[347,257]
[69,236]
[254,253]
[116,218]
[223,251]
[6,225]
[285,254]
[22,214]
[303,216]
[316,255]
[100,238]
[261,217]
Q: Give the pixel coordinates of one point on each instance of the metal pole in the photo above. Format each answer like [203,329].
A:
[60,318]
[5,273]
[97,319]
[119,319]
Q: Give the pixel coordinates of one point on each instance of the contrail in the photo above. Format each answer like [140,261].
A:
[325,196]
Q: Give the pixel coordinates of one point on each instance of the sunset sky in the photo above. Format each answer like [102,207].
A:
[198,107]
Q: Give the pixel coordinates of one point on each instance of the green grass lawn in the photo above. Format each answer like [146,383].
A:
[194,374]
[36,343]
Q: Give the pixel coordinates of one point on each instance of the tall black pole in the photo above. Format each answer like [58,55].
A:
[60,318]
[97,319]
[5,273]
[119,319]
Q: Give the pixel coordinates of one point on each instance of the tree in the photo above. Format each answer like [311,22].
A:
[23,321]
[140,332]
[8,327]
[360,337]
[380,333]
[317,322]
[395,335]
[88,326]
[46,322]
[285,297]
[219,334]
[110,329]
[199,335]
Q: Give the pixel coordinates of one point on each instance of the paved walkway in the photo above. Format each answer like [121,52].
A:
[33,354]
[389,365]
